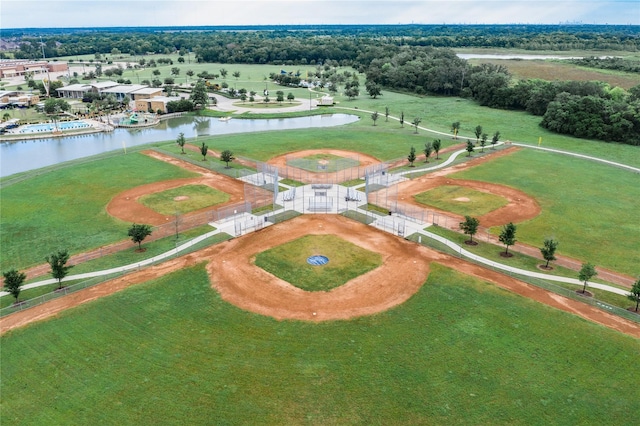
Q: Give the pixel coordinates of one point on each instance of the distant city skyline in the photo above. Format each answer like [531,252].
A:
[134,13]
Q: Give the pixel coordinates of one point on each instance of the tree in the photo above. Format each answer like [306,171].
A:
[436,147]
[279,96]
[495,139]
[470,227]
[227,157]
[483,142]
[290,97]
[634,294]
[416,122]
[181,141]
[54,107]
[508,236]
[402,119]
[175,71]
[203,150]
[58,262]
[469,147]
[138,233]
[478,132]
[428,148]
[223,72]
[236,74]
[374,117]
[386,113]
[483,139]
[587,272]
[549,250]
[199,95]
[14,279]
[412,156]
[373,89]
[455,127]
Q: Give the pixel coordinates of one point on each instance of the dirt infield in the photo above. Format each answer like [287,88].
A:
[125,206]
[520,206]
[241,283]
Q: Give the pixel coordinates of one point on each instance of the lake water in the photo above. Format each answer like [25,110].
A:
[22,156]
[524,57]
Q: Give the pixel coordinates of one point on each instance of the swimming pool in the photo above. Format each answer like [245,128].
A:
[50,127]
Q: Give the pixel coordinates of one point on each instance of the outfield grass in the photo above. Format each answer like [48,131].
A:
[459,352]
[66,208]
[346,261]
[198,197]
[461,200]
[591,209]
[330,163]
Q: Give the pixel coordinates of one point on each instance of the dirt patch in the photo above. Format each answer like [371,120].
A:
[240,282]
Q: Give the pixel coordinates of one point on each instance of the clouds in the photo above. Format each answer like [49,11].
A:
[90,13]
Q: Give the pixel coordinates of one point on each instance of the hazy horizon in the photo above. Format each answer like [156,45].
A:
[16,14]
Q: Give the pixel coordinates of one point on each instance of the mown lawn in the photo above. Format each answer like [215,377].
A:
[184,199]
[459,352]
[346,261]
[591,209]
[66,208]
[461,200]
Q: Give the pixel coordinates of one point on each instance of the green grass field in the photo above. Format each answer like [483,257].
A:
[461,200]
[459,351]
[323,163]
[590,208]
[170,202]
[346,261]
[66,208]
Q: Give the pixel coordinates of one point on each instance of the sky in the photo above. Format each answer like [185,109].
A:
[132,13]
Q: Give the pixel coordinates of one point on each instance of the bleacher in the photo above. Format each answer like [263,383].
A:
[290,195]
[353,195]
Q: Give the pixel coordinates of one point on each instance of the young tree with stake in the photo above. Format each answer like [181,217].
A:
[374,117]
[13,280]
[436,147]
[469,147]
[412,156]
[508,236]
[203,150]
[181,141]
[634,294]
[549,250]
[587,272]
[470,227]
[58,262]
[227,157]
[138,233]
[428,148]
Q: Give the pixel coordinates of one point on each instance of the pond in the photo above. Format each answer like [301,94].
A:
[22,156]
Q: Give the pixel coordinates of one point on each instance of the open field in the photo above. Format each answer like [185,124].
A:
[562,71]
[590,208]
[459,351]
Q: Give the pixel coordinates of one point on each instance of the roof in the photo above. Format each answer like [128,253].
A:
[103,84]
[162,99]
[75,88]
[125,88]
[148,90]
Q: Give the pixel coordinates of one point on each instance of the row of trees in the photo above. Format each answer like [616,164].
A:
[312,44]
[587,109]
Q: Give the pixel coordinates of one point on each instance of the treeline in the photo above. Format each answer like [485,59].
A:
[608,63]
[585,109]
[303,44]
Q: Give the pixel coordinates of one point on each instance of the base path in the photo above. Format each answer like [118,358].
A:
[241,283]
